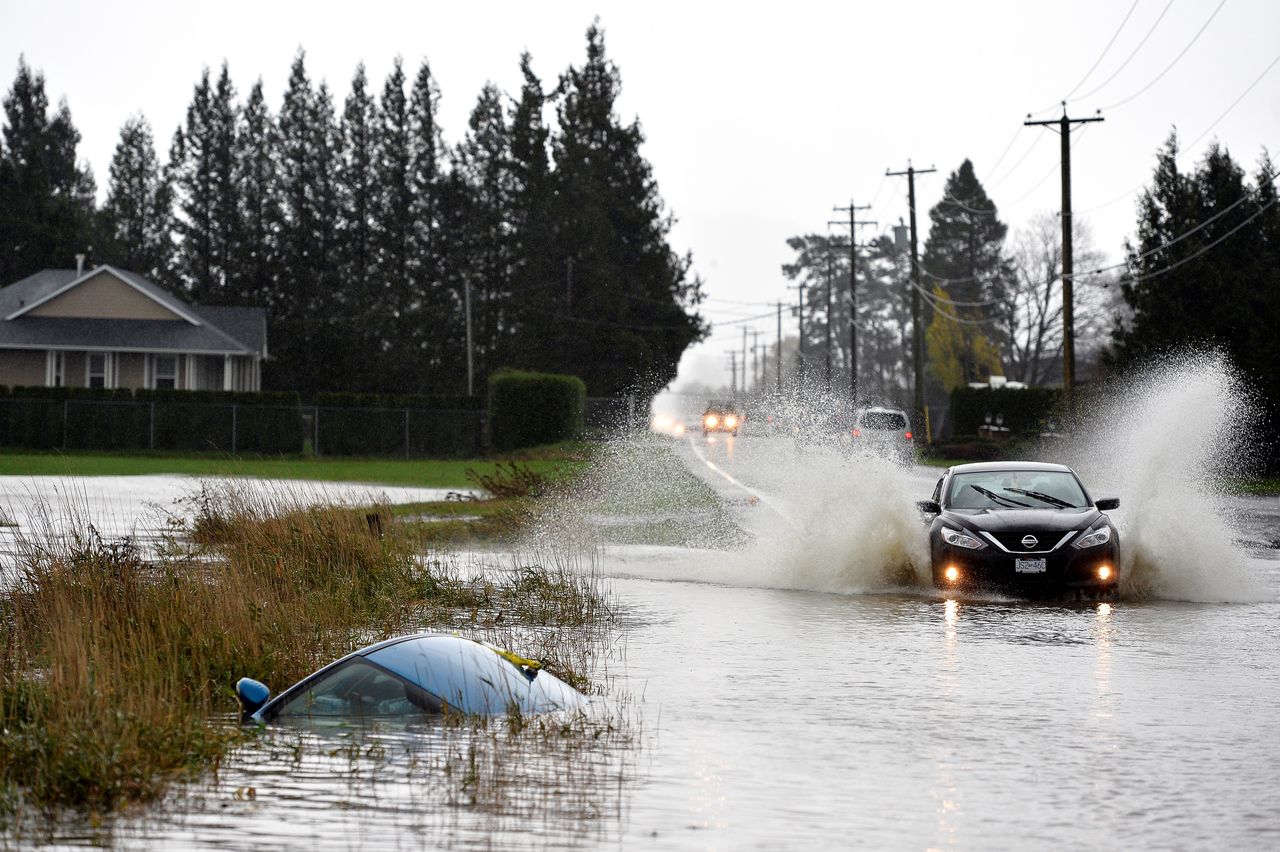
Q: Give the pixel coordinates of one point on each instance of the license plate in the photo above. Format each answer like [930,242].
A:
[1030,566]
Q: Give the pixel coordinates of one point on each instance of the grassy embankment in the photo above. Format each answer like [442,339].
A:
[116,673]
[426,473]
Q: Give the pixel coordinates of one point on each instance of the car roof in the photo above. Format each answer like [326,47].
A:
[985,467]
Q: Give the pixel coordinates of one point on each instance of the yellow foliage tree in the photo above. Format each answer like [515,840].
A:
[958,351]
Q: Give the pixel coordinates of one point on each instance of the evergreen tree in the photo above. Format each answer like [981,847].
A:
[1205,270]
[256,259]
[627,323]
[431,329]
[483,166]
[964,256]
[389,297]
[533,272]
[46,198]
[192,175]
[225,204]
[358,189]
[137,215]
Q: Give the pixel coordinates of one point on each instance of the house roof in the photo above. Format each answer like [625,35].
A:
[195,328]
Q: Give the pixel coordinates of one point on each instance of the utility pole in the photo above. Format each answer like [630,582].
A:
[827,376]
[745,389]
[471,368]
[733,371]
[756,375]
[854,223]
[1068,262]
[802,366]
[917,333]
[778,354]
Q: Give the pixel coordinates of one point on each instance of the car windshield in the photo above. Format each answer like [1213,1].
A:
[888,420]
[1015,489]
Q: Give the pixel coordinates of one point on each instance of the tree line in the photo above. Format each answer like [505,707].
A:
[362,232]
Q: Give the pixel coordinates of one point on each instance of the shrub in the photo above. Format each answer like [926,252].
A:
[528,409]
[1025,411]
[354,424]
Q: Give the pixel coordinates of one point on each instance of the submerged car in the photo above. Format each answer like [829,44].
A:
[410,676]
[722,417]
[1027,528]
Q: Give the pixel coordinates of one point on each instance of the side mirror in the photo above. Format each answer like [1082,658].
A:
[1106,504]
[929,507]
[252,695]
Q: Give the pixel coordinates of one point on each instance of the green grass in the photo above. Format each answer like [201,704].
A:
[556,461]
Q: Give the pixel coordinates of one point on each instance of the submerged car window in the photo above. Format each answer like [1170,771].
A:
[357,688]
[1015,489]
[890,420]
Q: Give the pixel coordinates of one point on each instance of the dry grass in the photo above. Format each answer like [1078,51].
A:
[112,667]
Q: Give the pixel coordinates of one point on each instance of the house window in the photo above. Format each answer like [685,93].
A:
[164,372]
[97,370]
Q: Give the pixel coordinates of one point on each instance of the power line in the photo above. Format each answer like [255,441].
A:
[1127,60]
[1102,55]
[1168,67]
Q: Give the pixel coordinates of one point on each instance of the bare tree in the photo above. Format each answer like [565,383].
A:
[1032,312]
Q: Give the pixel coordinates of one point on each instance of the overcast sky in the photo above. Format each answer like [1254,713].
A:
[757,122]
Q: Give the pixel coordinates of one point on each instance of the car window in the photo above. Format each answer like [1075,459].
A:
[1015,489]
[889,420]
[358,688]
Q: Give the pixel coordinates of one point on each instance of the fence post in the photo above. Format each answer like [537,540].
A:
[151,428]
[406,433]
[233,427]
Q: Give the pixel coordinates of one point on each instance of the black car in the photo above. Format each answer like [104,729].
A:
[1026,528]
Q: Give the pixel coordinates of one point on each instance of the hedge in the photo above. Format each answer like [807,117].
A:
[120,419]
[352,424]
[1024,411]
[528,409]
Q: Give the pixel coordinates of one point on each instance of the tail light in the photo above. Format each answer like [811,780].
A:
[857,433]
[908,436]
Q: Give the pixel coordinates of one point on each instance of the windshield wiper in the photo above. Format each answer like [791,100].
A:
[994,496]
[1047,498]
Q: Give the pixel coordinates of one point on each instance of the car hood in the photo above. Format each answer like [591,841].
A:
[1025,520]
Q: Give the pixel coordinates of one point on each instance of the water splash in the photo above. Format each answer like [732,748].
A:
[1166,442]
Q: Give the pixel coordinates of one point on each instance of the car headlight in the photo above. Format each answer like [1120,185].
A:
[961,539]
[712,421]
[1102,535]
[731,421]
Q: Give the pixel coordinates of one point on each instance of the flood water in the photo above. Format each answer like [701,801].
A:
[787,695]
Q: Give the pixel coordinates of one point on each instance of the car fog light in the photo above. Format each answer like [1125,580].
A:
[952,573]
[1104,572]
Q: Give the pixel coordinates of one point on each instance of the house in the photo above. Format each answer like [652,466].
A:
[109,328]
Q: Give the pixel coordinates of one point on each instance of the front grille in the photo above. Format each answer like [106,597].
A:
[1012,541]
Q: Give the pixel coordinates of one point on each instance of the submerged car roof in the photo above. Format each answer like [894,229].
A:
[984,467]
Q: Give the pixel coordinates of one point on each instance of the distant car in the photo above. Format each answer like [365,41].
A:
[413,676]
[883,432]
[722,417]
[1027,528]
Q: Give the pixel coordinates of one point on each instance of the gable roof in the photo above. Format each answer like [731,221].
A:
[194,329]
[134,280]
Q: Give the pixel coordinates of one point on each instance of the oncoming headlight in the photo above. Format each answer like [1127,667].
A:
[1102,535]
[960,539]
[730,421]
[712,421]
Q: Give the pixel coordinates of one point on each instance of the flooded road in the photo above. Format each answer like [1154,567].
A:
[787,695]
